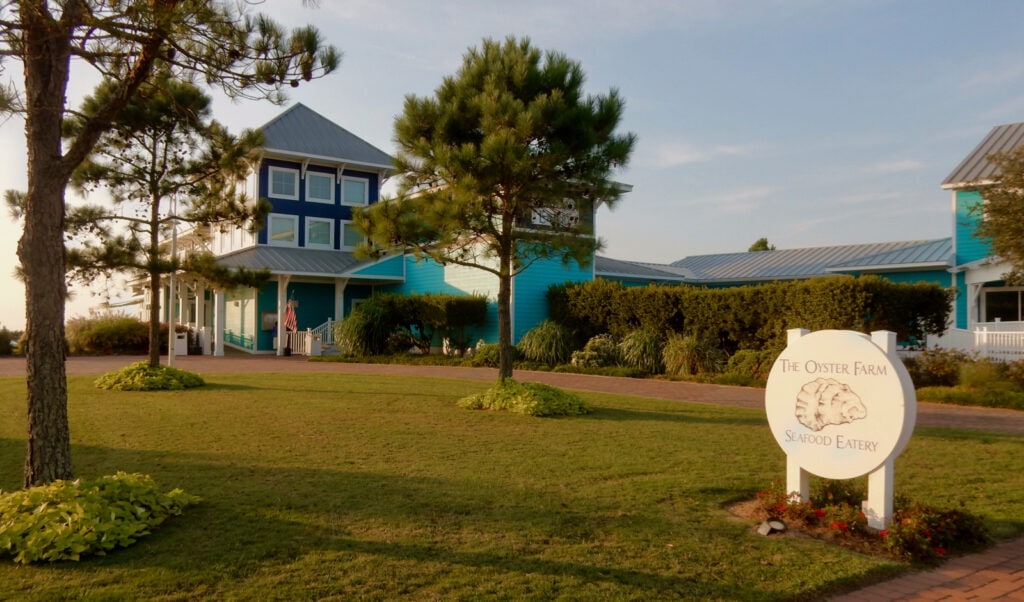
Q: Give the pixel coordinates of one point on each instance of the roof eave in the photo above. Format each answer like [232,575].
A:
[336,160]
[893,267]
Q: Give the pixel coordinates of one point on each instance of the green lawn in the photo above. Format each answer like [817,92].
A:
[354,487]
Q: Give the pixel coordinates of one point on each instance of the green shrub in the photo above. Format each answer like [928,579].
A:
[753,317]
[486,356]
[641,349]
[70,519]
[107,335]
[140,376]
[8,341]
[927,534]
[547,343]
[936,367]
[600,351]
[531,399]
[1004,395]
[685,355]
[752,364]
[1015,373]
[982,373]
[366,331]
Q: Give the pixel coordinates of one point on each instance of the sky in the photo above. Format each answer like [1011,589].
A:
[809,122]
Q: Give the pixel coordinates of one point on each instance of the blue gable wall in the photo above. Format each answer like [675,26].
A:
[302,207]
[968,247]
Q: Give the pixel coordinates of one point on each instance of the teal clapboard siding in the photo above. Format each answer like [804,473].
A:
[428,276]
[968,247]
[529,291]
[960,309]
[392,267]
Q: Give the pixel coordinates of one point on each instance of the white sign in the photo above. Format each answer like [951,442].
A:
[841,405]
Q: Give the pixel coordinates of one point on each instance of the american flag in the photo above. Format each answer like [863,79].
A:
[291,324]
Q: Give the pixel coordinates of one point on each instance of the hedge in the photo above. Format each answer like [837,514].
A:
[752,317]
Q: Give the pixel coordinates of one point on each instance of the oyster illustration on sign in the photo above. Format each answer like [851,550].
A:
[827,401]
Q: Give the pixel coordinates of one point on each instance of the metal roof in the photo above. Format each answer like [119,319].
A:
[302,131]
[759,266]
[976,169]
[607,267]
[294,261]
[929,253]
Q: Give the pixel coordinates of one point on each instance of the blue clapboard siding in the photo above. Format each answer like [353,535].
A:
[529,291]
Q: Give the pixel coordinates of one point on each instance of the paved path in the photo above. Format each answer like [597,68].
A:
[997,574]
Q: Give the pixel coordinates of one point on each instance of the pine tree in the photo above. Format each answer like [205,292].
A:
[209,41]
[498,167]
[164,161]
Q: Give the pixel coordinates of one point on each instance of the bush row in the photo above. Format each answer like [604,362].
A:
[389,323]
[112,335]
[752,317]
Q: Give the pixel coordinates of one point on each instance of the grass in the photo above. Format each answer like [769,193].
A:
[357,487]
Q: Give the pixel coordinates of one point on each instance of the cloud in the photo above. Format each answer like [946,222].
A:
[897,166]
[674,154]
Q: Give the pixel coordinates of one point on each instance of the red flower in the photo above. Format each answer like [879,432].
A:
[819,512]
[883,533]
[940,551]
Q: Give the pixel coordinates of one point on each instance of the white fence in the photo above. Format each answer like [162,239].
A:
[1000,345]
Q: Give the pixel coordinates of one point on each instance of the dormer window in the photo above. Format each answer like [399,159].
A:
[319,187]
[355,191]
[284,183]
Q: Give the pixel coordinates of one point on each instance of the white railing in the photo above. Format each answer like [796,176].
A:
[996,344]
[1006,346]
[325,331]
[312,340]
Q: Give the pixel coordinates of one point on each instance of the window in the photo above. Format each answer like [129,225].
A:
[284,183]
[355,191]
[1003,306]
[283,230]
[350,237]
[319,232]
[564,217]
[319,187]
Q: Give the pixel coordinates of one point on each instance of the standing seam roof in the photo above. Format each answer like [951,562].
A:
[976,168]
[303,131]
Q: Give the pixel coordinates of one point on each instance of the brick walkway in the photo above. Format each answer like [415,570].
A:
[997,574]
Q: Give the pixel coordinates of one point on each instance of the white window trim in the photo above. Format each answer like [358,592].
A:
[366,191]
[270,183]
[312,245]
[341,230]
[309,197]
[295,223]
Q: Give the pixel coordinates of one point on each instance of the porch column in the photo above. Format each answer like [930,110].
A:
[282,306]
[219,307]
[339,298]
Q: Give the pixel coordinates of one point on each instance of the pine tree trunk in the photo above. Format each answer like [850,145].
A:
[41,251]
[505,320]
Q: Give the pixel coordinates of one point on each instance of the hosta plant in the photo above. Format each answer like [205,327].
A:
[66,520]
[532,399]
[140,376]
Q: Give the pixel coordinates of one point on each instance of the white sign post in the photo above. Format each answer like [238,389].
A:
[841,405]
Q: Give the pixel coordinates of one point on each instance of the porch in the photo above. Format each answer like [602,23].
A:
[1002,341]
